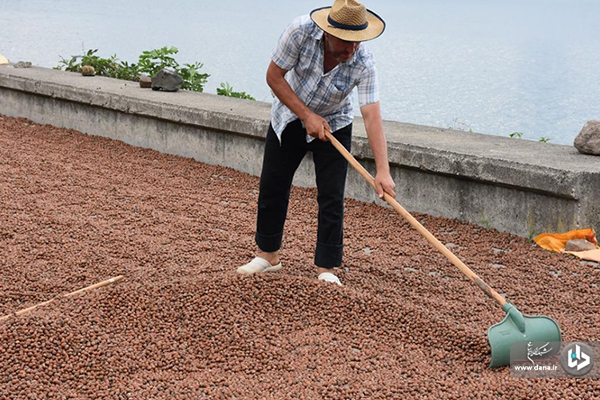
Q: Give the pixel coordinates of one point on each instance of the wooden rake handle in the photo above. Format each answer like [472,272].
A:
[85,289]
[430,238]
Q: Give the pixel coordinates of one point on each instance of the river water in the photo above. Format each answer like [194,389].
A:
[490,66]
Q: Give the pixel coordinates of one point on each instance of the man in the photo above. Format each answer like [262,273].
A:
[318,61]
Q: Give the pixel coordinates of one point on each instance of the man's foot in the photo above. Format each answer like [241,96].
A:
[257,266]
[329,277]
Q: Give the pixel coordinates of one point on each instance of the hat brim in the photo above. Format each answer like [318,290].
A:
[374,29]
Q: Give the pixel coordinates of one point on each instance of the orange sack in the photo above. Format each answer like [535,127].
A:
[558,242]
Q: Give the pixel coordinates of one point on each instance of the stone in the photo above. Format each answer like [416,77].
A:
[145,81]
[579,245]
[23,64]
[588,140]
[88,70]
[167,80]
[584,263]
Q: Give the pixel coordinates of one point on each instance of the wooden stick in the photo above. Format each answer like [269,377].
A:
[85,289]
[430,238]
[95,286]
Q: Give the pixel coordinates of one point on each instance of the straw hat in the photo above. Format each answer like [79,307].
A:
[348,20]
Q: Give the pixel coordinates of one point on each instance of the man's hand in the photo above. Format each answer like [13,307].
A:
[383,180]
[316,126]
[384,183]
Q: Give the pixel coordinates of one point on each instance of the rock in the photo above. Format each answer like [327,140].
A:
[145,81]
[3,60]
[584,263]
[167,80]
[588,140]
[579,245]
[497,265]
[556,274]
[88,70]
[23,64]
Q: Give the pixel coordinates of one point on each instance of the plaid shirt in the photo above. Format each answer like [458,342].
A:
[300,51]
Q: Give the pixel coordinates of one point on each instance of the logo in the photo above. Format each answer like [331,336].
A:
[540,351]
[577,359]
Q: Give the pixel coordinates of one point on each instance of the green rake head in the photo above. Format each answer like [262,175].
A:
[516,327]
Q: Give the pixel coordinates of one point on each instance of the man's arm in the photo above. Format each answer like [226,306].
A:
[371,114]
[315,124]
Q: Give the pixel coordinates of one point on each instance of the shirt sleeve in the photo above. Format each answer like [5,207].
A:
[368,87]
[288,48]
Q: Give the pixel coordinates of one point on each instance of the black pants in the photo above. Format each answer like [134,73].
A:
[279,165]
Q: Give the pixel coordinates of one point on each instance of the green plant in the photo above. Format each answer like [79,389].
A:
[227,90]
[150,62]
[484,221]
[103,66]
[128,72]
[544,139]
[192,79]
[486,224]
[517,135]
[532,236]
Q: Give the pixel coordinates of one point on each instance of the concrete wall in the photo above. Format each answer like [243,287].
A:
[512,185]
